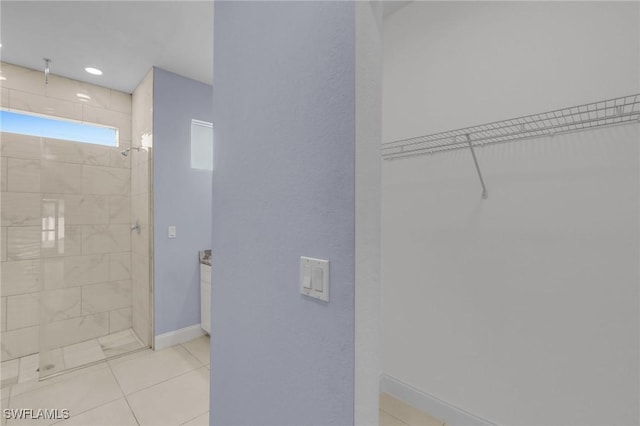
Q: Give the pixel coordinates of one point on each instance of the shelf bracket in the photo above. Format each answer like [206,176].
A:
[485,194]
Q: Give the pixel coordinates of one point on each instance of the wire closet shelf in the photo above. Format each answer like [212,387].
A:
[596,114]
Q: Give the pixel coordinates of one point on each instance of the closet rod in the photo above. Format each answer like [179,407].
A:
[609,112]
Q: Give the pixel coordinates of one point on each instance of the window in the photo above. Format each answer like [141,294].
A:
[201,145]
[57,128]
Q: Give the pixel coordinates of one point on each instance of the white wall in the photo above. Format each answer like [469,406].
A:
[465,63]
[368,52]
[523,308]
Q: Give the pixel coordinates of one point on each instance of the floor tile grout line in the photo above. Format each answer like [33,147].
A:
[125,395]
[151,350]
[133,413]
[165,380]
[89,409]
[188,351]
[116,380]
[192,354]
[193,418]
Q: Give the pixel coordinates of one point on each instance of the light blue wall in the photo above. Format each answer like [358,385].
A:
[182,197]
[284,126]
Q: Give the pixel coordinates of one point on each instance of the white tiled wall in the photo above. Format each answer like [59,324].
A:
[82,286]
[141,205]
[22,310]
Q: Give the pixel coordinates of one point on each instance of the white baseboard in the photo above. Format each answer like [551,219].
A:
[176,337]
[444,411]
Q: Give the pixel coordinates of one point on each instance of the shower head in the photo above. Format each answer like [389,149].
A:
[125,152]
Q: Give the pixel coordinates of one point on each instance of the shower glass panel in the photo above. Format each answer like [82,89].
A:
[85,241]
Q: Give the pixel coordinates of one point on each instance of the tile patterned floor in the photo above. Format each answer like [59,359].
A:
[156,388]
[166,387]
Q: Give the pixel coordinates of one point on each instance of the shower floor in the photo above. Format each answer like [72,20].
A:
[69,357]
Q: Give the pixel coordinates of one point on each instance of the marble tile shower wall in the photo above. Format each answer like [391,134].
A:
[141,201]
[82,284]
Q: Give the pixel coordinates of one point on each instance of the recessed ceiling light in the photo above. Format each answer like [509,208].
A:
[2,78]
[94,71]
[83,97]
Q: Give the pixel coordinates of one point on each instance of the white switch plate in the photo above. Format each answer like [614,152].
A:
[172,232]
[314,278]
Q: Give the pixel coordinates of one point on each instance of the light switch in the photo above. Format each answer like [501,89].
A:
[172,232]
[314,278]
[318,285]
[306,279]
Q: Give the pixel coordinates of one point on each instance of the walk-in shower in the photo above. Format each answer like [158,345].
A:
[76,286]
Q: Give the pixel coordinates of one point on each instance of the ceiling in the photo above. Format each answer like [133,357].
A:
[122,38]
